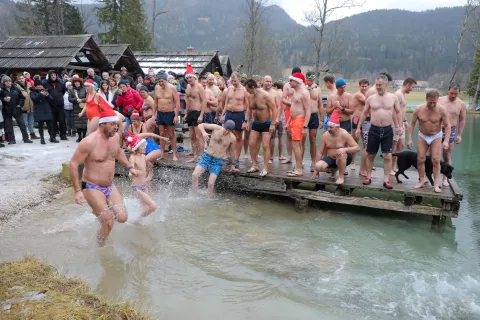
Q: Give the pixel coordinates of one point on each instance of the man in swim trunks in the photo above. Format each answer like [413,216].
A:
[236,103]
[212,101]
[338,146]
[196,103]
[288,92]
[399,140]
[358,103]
[222,140]
[431,118]
[264,113]
[316,117]
[168,107]
[329,81]
[211,80]
[341,101]
[277,98]
[299,117]
[281,126]
[384,109]
[457,112]
[98,152]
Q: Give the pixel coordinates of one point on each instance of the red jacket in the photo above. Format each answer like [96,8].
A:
[128,100]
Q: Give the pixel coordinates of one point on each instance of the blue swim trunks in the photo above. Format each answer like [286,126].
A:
[151,146]
[212,164]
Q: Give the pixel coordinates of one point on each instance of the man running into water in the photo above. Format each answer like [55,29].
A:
[316,105]
[168,107]
[98,152]
[338,146]
[196,103]
[221,141]
[299,117]
[384,110]
[236,103]
[457,113]
[358,101]
[263,109]
[288,92]
[399,140]
[212,101]
[277,98]
[431,118]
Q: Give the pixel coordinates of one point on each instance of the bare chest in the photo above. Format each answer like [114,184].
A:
[427,115]
[103,152]
[335,142]
[385,104]
[236,95]
[163,94]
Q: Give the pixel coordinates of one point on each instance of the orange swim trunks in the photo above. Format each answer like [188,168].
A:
[296,128]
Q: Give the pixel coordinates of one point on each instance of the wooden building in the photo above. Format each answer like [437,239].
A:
[176,61]
[226,65]
[38,54]
[120,55]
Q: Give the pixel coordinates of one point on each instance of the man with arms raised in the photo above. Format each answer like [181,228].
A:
[300,111]
[277,99]
[316,117]
[168,106]
[431,118]
[236,103]
[287,95]
[384,110]
[212,101]
[358,101]
[222,140]
[338,145]
[196,103]
[263,109]
[399,139]
[98,152]
[457,112]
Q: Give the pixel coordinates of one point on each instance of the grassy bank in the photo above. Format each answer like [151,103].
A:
[30,289]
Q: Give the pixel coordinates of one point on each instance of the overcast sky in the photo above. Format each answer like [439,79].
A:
[295,8]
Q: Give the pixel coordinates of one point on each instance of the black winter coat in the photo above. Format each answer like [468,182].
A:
[56,90]
[13,107]
[80,123]
[41,106]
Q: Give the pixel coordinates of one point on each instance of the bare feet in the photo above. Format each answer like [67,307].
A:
[420,185]
[392,173]
[282,158]
[270,161]
[286,161]
[438,189]
[352,167]
[362,173]
[340,180]
[246,157]
[175,157]
[446,183]
[194,159]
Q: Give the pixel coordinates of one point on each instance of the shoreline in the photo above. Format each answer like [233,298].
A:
[33,289]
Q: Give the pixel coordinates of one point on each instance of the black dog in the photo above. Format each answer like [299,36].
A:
[407,159]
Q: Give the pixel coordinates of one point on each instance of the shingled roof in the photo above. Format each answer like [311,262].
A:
[226,65]
[176,61]
[120,55]
[44,52]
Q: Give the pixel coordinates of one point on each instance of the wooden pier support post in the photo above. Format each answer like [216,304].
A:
[301,205]
[438,223]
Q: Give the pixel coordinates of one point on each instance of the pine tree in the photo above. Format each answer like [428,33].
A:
[126,23]
[472,82]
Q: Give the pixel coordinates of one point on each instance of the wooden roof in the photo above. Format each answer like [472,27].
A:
[45,52]
[120,55]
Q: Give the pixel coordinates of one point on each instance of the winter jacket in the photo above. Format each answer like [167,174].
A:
[109,93]
[66,103]
[183,85]
[25,90]
[1,119]
[128,100]
[79,123]
[30,82]
[150,86]
[56,90]
[41,106]
[96,79]
[12,107]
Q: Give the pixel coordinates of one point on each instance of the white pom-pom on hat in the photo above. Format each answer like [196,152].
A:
[129,139]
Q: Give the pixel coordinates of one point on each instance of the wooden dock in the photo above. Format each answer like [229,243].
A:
[403,198]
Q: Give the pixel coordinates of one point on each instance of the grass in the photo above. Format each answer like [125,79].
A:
[65,298]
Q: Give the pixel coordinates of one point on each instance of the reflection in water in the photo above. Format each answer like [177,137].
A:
[251,258]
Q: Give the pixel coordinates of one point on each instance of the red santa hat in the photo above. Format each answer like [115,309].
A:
[134,142]
[108,115]
[135,116]
[298,77]
[334,119]
[89,83]
[189,73]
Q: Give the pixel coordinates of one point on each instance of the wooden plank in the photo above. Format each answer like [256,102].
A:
[372,203]
[278,173]
[456,189]
[250,183]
